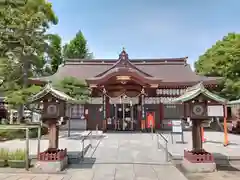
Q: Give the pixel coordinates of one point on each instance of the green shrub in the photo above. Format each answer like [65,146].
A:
[19,154]
[9,134]
[4,153]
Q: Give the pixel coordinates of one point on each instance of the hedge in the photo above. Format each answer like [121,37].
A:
[9,134]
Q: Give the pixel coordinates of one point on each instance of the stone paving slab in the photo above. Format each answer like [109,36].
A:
[116,157]
[222,173]
[129,148]
[108,172]
[213,144]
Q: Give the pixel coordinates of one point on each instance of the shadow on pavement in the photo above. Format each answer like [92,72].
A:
[126,132]
[81,137]
[86,163]
[222,163]
[227,168]
[220,142]
[180,142]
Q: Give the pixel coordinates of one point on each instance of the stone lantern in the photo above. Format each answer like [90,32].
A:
[55,111]
[200,105]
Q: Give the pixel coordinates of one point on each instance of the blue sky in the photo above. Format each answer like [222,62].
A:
[147,28]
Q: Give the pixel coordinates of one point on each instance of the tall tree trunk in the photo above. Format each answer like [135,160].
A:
[25,85]
[11,117]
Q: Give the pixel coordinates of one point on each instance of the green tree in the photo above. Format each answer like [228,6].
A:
[18,97]
[23,41]
[77,48]
[223,60]
[55,52]
[74,88]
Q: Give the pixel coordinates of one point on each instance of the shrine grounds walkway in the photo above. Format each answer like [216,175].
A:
[213,144]
[117,156]
[126,156]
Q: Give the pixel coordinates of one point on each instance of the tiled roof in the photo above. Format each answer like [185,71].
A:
[173,70]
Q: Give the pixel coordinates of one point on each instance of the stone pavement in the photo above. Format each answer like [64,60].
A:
[218,175]
[118,156]
[108,172]
[126,156]
[214,144]
[128,148]
[223,173]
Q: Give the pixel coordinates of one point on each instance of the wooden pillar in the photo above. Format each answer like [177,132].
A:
[202,134]
[143,119]
[104,109]
[161,115]
[139,113]
[53,135]
[225,126]
[108,109]
[196,136]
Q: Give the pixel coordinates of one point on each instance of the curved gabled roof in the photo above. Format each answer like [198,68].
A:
[196,90]
[48,89]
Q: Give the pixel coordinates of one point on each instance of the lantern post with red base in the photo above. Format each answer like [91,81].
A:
[199,104]
[54,107]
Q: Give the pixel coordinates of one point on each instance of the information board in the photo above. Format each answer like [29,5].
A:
[176,126]
[215,111]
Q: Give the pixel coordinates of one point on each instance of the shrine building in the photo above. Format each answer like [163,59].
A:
[127,94]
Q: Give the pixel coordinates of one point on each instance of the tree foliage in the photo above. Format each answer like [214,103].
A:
[20,96]
[55,52]
[77,48]
[74,87]
[23,42]
[223,60]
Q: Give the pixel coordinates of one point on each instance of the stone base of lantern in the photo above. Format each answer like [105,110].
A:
[52,161]
[198,162]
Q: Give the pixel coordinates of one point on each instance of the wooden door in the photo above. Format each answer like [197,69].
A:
[95,117]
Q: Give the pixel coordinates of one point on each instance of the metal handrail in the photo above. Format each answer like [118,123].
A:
[83,140]
[166,144]
[164,138]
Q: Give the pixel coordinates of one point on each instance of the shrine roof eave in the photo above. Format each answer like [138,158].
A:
[234,102]
[48,89]
[195,91]
[125,72]
[142,82]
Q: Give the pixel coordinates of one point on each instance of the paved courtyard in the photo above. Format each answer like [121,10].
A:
[107,172]
[213,144]
[126,156]
[118,156]
[128,148]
